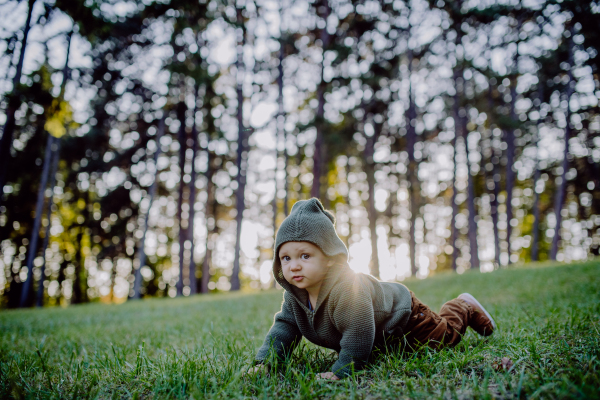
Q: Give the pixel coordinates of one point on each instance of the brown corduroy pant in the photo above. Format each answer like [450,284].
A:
[444,329]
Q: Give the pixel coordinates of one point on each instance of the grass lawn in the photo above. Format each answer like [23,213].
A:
[549,328]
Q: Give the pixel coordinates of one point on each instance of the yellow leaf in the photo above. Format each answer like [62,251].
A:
[54,127]
[58,116]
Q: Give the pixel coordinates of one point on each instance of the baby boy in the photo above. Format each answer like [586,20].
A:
[352,313]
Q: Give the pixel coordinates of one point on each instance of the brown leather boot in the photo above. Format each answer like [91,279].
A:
[481,321]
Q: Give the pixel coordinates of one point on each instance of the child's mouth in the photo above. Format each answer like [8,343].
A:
[298,278]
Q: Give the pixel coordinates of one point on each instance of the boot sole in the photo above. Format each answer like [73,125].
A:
[487,314]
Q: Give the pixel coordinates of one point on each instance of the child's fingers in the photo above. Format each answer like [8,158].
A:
[328,376]
[256,369]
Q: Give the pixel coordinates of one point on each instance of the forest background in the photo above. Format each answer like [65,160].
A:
[152,148]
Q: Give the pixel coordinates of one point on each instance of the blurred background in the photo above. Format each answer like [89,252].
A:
[152,148]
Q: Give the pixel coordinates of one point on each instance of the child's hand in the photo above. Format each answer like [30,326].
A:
[328,375]
[257,369]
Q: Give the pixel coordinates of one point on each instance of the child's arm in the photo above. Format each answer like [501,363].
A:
[354,317]
[283,336]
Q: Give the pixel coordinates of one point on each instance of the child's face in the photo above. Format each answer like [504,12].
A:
[304,265]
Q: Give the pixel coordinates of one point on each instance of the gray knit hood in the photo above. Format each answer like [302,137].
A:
[308,222]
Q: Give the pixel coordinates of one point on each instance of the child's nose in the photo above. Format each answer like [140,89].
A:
[295,266]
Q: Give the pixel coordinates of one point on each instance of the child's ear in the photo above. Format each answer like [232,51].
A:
[330,262]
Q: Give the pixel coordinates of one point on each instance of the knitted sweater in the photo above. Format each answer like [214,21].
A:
[354,313]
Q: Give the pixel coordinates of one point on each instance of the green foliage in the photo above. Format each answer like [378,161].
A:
[199,347]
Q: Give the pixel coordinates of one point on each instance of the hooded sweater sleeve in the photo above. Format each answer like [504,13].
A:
[354,318]
[283,336]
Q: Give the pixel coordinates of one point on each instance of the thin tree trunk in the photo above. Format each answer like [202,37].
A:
[241,155]
[35,231]
[79,282]
[55,158]
[299,194]
[274,201]
[192,202]
[181,136]
[510,149]
[281,127]
[474,248]
[510,177]
[347,201]
[471,205]
[495,181]
[13,105]
[210,229]
[286,157]
[320,151]
[61,279]
[560,193]
[390,213]
[78,292]
[536,178]
[137,285]
[454,189]
[370,171]
[274,207]
[411,139]
[55,146]
[279,134]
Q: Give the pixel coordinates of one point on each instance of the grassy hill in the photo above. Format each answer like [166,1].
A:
[549,318]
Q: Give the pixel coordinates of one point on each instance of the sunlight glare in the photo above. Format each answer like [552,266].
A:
[402,261]
[266,271]
[262,113]
[360,255]
[249,239]
[387,271]
[381,197]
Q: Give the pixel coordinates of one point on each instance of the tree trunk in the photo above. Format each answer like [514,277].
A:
[241,155]
[61,279]
[320,151]
[370,171]
[474,248]
[13,105]
[454,190]
[137,285]
[300,155]
[55,157]
[471,205]
[286,157]
[510,148]
[210,229]
[192,202]
[181,136]
[536,177]
[413,192]
[78,296]
[274,201]
[281,128]
[347,201]
[390,212]
[560,193]
[510,177]
[495,181]
[80,282]
[35,231]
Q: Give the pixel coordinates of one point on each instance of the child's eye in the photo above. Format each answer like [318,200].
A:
[285,258]
[305,256]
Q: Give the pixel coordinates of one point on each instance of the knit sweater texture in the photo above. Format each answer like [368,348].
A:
[354,312]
